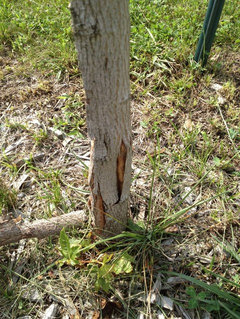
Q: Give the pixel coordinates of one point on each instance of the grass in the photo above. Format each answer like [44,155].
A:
[185,190]
[7,198]
[25,30]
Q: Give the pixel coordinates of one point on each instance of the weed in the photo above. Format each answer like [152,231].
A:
[40,136]
[102,267]
[212,298]
[11,166]
[51,190]
[16,126]
[7,198]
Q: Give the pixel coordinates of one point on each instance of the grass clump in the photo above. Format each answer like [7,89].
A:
[7,197]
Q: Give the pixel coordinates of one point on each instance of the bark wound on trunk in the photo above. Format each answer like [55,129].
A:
[101,30]
[99,213]
[121,160]
[96,200]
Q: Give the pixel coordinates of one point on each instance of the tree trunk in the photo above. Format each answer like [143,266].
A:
[12,231]
[101,30]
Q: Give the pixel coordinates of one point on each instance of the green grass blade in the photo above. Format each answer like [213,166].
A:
[211,288]
[231,312]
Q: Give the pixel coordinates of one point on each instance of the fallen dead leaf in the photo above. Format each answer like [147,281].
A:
[96,315]
[188,125]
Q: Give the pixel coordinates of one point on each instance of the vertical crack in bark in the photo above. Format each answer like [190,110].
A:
[90,172]
[99,213]
[121,160]
[95,201]
[106,63]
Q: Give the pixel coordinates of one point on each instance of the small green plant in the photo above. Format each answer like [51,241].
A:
[16,126]
[235,254]
[7,197]
[201,300]
[103,268]
[71,248]
[50,184]
[72,119]
[211,297]
[40,136]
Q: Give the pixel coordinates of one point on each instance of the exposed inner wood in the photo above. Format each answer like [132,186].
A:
[96,200]
[99,213]
[121,161]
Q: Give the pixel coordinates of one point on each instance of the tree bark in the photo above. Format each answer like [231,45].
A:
[13,231]
[101,30]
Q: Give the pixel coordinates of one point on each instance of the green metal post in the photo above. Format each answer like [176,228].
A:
[199,49]
[209,29]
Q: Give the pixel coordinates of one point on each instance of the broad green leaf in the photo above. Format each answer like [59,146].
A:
[103,284]
[191,292]
[64,244]
[74,242]
[123,264]
[193,303]
[74,252]
[202,295]
[105,271]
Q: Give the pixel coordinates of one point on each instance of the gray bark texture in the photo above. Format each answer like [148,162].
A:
[12,230]
[101,30]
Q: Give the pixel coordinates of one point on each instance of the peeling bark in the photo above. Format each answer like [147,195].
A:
[101,30]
